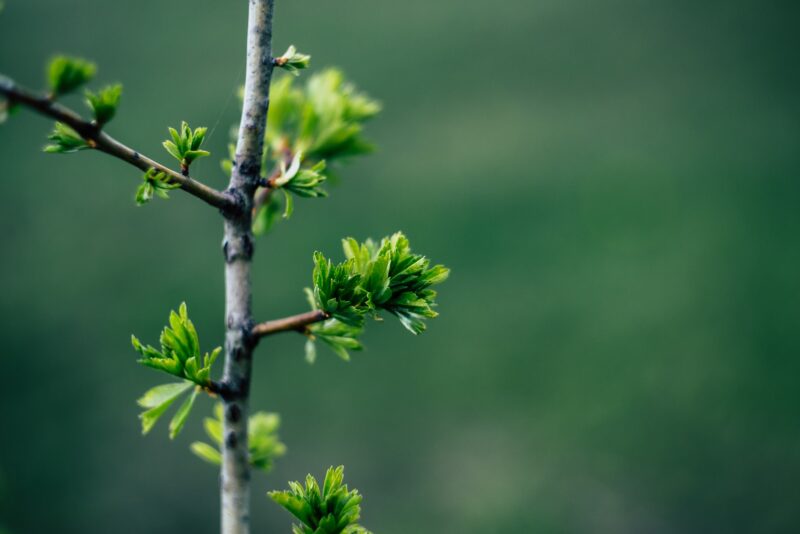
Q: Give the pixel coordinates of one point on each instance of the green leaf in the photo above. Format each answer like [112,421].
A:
[311,351]
[267,216]
[176,425]
[144,193]
[373,278]
[316,126]
[213,428]
[104,103]
[292,61]
[185,144]
[65,140]
[338,336]
[163,393]
[65,74]
[287,212]
[180,350]
[262,438]
[150,417]
[155,182]
[173,150]
[206,452]
[263,443]
[332,510]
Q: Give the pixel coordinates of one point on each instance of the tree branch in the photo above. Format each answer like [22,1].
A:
[103,142]
[238,249]
[296,323]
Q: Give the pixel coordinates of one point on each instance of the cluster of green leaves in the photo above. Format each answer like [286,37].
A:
[293,61]
[338,336]
[332,509]
[323,120]
[310,128]
[65,140]
[262,439]
[180,350]
[65,74]
[154,182]
[104,103]
[179,356]
[303,182]
[158,399]
[375,277]
[185,144]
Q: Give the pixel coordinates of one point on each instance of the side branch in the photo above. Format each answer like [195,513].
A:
[103,142]
[297,323]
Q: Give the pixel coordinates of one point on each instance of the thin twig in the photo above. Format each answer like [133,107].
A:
[103,142]
[297,323]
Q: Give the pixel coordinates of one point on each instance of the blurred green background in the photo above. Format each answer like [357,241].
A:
[613,183]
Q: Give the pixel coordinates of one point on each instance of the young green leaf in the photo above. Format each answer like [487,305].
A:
[312,127]
[374,277]
[180,351]
[65,140]
[179,419]
[311,350]
[152,415]
[332,509]
[288,203]
[267,216]
[104,103]
[206,452]
[185,145]
[264,445]
[154,182]
[338,336]
[163,393]
[292,61]
[65,74]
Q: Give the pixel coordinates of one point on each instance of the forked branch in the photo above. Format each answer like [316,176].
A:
[98,139]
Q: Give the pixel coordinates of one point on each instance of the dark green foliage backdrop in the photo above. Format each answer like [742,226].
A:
[614,184]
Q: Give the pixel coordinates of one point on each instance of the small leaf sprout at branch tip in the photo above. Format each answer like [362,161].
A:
[185,145]
[311,128]
[65,140]
[330,509]
[65,74]
[179,356]
[293,61]
[104,103]
[154,182]
[373,278]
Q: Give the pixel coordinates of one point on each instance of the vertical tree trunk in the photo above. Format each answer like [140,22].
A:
[238,250]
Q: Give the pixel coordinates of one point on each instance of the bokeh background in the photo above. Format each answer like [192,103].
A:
[614,184]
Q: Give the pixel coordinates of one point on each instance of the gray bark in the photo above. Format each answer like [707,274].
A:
[238,249]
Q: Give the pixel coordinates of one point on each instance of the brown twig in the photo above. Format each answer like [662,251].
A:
[99,140]
[297,323]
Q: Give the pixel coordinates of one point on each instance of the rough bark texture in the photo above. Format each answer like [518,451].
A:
[238,249]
